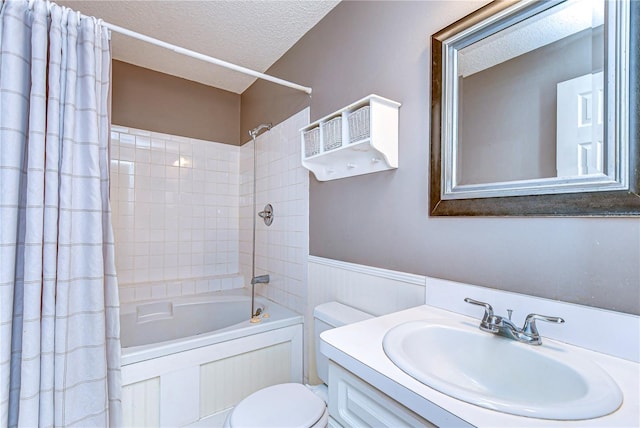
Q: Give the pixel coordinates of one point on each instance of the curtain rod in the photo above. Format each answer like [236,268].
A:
[205,58]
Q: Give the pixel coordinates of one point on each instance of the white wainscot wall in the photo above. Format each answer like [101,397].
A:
[192,387]
[380,291]
[372,290]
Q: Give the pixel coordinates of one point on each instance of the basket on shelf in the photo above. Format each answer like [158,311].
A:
[312,141]
[359,127]
[332,130]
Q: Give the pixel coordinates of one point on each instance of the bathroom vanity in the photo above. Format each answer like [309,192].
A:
[366,388]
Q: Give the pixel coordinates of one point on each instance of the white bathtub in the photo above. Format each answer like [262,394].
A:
[191,357]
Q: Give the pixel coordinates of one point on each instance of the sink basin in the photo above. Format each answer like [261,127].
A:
[501,374]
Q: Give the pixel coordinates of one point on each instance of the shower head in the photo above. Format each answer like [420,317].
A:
[255,131]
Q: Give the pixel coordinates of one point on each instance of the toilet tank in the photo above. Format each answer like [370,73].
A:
[327,316]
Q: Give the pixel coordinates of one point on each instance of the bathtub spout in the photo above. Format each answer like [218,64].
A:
[260,279]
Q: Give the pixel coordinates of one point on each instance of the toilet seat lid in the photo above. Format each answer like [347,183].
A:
[285,405]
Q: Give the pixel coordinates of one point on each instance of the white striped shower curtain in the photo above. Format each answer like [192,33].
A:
[59,325]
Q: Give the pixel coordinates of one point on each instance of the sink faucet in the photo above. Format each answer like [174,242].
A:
[260,279]
[505,327]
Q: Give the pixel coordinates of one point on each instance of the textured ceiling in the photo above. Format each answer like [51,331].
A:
[250,33]
[554,24]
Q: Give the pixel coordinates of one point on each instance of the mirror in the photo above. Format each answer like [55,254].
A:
[534,109]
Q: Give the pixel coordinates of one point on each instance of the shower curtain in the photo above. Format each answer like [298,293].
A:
[59,325]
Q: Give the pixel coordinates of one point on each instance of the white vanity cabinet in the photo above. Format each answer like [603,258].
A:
[367,389]
[359,139]
[355,403]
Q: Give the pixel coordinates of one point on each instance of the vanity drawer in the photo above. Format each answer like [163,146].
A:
[355,403]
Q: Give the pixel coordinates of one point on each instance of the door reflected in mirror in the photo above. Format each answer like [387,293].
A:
[580,128]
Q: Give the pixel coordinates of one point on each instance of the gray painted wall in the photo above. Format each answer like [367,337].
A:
[147,99]
[511,134]
[382,219]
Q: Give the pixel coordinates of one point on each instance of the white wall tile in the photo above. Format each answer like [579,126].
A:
[158,291]
[286,241]
[162,200]
[183,217]
[126,294]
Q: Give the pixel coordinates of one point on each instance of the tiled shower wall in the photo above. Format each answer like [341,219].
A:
[282,248]
[182,214]
[175,204]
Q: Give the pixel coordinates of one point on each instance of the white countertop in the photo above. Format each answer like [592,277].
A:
[358,348]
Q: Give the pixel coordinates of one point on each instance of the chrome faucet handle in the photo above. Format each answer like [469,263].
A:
[489,320]
[530,327]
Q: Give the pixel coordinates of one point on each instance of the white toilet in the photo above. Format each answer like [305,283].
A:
[293,405]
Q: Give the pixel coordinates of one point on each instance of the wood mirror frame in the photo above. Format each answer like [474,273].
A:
[590,203]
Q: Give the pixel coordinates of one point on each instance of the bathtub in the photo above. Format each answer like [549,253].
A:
[188,358]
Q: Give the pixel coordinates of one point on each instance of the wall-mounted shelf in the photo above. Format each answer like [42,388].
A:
[359,139]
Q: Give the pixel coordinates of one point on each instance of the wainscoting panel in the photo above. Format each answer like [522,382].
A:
[181,388]
[141,403]
[225,382]
[370,289]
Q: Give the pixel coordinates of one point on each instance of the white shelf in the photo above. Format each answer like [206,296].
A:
[378,152]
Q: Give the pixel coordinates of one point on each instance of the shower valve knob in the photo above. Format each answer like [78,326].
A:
[267,214]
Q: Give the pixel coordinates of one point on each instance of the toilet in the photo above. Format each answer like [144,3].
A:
[293,405]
